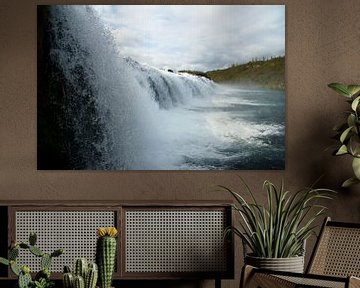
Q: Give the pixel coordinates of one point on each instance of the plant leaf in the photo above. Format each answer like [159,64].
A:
[354,144]
[340,88]
[4,261]
[351,119]
[355,103]
[356,167]
[353,89]
[32,238]
[342,150]
[345,134]
[14,268]
[279,228]
[349,182]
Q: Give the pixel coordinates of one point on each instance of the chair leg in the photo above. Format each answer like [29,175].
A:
[354,282]
[217,283]
[246,274]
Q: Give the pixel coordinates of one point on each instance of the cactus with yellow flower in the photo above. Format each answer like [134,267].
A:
[106,254]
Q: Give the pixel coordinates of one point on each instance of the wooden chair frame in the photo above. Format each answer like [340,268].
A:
[255,277]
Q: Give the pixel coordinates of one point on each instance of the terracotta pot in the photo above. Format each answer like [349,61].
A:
[291,264]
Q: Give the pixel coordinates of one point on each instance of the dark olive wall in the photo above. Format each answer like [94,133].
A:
[322,46]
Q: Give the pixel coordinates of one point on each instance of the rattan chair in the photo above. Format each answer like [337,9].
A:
[334,263]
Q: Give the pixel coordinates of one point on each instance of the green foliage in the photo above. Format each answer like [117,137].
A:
[348,132]
[42,278]
[57,252]
[279,229]
[36,251]
[80,268]
[85,275]
[45,261]
[42,283]
[91,276]
[32,239]
[13,253]
[68,280]
[25,280]
[4,261]
[24,246]
[44,273]
[105,259]
[14,268]
[79,282]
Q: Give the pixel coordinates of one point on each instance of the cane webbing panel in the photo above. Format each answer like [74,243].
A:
[313,282]
[175,241]
[338,252]
[267,280]
[75,231]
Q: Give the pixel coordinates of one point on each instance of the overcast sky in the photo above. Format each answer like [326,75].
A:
[196,37]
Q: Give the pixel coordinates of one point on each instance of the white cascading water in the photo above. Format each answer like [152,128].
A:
[154,119]
[127,94]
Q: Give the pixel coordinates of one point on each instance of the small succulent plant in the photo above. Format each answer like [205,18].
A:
[84,275]
[42,278]
[43,283]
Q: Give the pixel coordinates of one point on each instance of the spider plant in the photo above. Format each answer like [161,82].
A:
[279,229]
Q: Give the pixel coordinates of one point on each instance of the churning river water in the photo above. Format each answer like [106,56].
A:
[232,128]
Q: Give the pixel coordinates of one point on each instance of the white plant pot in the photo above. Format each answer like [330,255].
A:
[291,264]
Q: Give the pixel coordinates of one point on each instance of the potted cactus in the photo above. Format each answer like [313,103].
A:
[42,278]
[84,275]
[106,254]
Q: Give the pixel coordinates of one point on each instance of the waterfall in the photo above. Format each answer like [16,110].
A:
[107,110]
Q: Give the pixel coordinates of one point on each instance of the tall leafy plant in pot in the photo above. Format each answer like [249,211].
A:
[348,132]
[279,229]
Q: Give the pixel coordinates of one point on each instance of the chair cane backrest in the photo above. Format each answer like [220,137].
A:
[337,252]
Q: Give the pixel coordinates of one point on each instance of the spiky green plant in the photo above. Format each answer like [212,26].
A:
[24,280]
[348,132]
[42,283]
[279,229]
[106,254]
[68,280]
[84,273]
[80,267]
[79,282]
[42,278]
[91,275]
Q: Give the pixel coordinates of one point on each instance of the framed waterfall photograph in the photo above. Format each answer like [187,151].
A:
[161,87]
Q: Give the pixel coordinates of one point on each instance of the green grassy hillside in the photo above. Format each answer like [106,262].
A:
[266,74]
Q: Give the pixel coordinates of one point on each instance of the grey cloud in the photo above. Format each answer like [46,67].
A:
[196,37]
